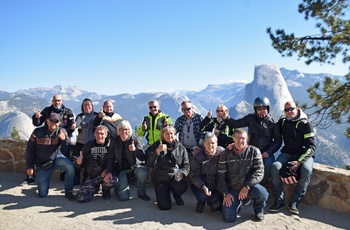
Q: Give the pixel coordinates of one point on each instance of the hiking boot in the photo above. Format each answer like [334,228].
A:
[144,197]
[179,201]
[259,216]
[293,208]
[276,207]
[69,196]
[200,207]
[214,208]
[106,194]
[29,180]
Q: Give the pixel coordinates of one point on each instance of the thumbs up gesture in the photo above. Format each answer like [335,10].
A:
[79,159]
[210,113]
[144,125]
[74,125]
[38,114]
[132,147]
[161,148]
[62,134]
[101,114]
[165,121]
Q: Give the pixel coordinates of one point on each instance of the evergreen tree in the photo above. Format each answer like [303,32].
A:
[15,134]
[331,97]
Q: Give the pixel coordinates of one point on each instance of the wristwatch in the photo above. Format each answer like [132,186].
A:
[248,187]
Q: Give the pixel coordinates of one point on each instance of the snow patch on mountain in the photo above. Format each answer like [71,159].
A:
[19,120]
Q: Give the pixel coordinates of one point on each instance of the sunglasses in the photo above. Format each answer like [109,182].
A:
[152,107]
[186,109]
[289,109]
[220,111]
[54,120]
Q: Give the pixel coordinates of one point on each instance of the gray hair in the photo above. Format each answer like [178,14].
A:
[124,124]
[212,136]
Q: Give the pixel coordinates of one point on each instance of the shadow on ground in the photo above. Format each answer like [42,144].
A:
[22,199]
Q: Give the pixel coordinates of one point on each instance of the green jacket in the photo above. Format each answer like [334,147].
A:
[154,127]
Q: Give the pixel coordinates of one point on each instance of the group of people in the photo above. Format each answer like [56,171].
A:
[224,165]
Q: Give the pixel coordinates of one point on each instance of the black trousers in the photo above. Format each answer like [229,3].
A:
[163,190]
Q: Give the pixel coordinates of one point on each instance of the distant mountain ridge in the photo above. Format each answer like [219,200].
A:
[279,85]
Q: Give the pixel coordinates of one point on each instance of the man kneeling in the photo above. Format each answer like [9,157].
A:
[93,157]
[240,171]
[44,154]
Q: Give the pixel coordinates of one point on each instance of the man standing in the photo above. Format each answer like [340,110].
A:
[298,152]
[240,171]
[188,128]
[43,152]
[66,114]
[108,118]
[152,123]
[218,126]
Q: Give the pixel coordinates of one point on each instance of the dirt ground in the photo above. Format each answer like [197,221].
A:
[21,208]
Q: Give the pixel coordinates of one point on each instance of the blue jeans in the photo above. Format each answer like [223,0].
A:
[303,182]
[122,190]
[214,199]
[267,165]
[258,194]
[43,176]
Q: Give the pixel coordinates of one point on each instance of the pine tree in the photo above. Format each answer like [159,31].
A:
[15,134]
[331,97]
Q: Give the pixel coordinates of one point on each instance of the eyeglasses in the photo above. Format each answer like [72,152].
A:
[57,100]
[123,129]
[185,109]
[289,109]
[261,108]
[54,120]
[220,111]
[152,107]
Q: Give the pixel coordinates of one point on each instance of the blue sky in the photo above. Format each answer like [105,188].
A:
[131,46]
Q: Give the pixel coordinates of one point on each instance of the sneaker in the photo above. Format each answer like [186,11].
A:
[259,216]
[69,196]
[293,208]
[106,194]
[247,202]
[144,197]
[200,207]
[276,207]
[179,201]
